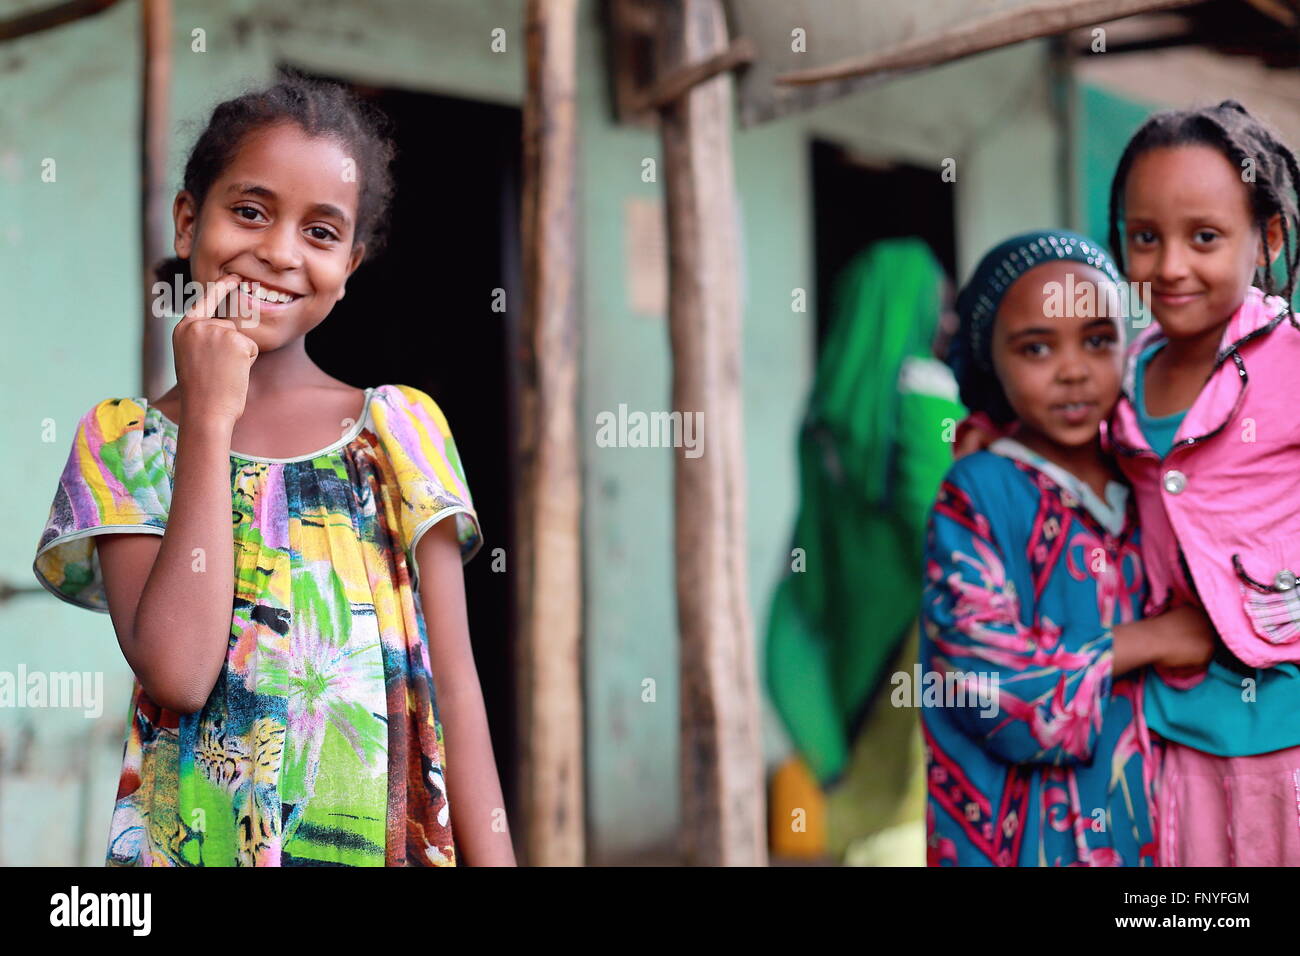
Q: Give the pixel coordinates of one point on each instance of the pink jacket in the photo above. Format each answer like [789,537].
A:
[1228,491]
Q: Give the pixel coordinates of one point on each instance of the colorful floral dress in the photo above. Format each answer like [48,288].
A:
[1044,760]
[320,744]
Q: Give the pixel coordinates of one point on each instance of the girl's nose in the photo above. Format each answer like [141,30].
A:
[278,248]
[1173,262]
[1072,368]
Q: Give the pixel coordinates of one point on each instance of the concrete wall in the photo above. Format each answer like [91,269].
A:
[69,273]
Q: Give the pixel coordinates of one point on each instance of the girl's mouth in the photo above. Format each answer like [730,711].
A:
[255,296]
[1075,413]
[1170,298]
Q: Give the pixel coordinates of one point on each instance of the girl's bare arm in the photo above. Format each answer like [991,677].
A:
[473,788]
[170,599]
[1181,639]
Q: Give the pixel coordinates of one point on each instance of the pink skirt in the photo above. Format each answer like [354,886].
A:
[1229,811]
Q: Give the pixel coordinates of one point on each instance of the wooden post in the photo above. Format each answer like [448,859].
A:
[156,33]
[721,754]
[548,555]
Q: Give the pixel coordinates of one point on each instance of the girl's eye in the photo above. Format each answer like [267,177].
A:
[1101,340]
[1143,237]
[240,210]
[1206,236]
[1034,349]
[328,233]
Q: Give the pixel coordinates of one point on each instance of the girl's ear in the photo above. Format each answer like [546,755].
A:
[358,253]
[1274,241]
[185,215]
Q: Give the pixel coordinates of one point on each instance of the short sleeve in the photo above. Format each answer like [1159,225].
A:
[115,481]
[428,470]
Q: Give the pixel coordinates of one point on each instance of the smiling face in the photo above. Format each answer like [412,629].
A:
[282,216]
[1190,232]
[1060,372]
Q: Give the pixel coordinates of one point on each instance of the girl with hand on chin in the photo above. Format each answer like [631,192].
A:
[280,552]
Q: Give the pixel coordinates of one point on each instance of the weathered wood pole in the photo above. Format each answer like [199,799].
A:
[721,753]
[155,224]
[548,553]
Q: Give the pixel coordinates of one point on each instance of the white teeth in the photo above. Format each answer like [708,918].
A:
[270,295]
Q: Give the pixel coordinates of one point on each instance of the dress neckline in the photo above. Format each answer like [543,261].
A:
[1110,512]
[348,436]
[1140,389]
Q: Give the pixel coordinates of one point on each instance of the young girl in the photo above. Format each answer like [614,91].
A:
[1207,436]
[1036,750]
[284,711]
[1204,432]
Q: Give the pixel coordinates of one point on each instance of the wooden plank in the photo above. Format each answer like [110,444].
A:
[1276,10]
[721,753]
[155,209]
[1028,22]
[675,84]
[548,553]
[52,16]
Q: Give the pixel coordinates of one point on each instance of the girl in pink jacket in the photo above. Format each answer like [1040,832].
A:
[1202,207]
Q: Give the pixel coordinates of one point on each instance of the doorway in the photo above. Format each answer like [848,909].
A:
[421,314]
[856,204]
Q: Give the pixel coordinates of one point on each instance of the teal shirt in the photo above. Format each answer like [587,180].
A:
[1212,716]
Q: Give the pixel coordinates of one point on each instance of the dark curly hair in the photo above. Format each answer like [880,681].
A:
[321,109]
[1239,136]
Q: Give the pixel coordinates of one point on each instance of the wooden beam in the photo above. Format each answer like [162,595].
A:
[722,782]
[670,87]
[50,17]
[1028,22]
[548,553]
[155,209]
[1275,10]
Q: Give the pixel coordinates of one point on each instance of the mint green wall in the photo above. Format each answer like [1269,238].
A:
[69,274]
[1105,123]
[71,302]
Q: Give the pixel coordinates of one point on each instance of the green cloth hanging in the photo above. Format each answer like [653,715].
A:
[873,448]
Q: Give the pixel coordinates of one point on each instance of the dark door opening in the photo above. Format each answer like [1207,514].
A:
[421,315]
[855,205]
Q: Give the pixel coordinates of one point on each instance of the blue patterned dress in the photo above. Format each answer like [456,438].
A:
[1045,760]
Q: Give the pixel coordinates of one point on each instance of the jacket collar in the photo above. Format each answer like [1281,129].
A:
[1257,315]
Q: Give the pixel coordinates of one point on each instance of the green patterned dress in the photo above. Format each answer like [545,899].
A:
[320,744]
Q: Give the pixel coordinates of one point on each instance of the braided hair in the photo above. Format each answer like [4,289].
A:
[1240,137]
[321,109]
